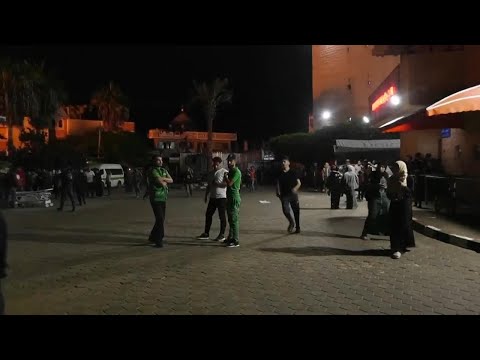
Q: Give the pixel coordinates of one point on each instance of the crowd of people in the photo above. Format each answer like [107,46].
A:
[65,183]
[389,191]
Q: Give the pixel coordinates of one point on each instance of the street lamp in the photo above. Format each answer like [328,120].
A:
[366,120]
[395,100]
[326,115]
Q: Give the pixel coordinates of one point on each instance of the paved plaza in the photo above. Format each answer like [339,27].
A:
[97,261]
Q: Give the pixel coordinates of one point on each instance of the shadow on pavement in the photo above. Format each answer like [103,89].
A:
[326,251]
[325,208]
[303,233]
[341,219]
[172,243]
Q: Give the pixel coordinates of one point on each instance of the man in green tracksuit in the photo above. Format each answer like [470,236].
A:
[158,180]
[234,181]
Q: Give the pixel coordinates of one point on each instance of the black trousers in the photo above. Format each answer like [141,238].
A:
[291,202]
[91,189]
[335,199]
[80,195]
[351,199]
[158,232]
[371,220]
[213,205]
[65,193]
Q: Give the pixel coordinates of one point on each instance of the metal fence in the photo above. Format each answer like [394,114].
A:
[450,194]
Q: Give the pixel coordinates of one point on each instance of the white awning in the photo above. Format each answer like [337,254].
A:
[344,145]
[465,100]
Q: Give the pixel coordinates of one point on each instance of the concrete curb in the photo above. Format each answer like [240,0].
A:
[438,234]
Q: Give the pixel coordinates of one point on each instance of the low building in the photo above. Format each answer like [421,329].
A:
[432,99]
[180,138]
[65,126]
[191,141]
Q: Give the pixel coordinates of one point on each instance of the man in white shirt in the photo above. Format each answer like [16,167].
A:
[90,185]
[217,189]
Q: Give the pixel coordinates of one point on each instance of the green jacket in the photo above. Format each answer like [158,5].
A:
[157,192]
[233,192]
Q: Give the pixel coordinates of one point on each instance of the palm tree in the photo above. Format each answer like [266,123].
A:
[20,89]
[212,97]
[110,102]
[52,97]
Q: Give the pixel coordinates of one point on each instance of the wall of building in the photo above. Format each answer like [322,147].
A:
[68,127]
[422,141]
[81,127]
[453,152]
[461,151]
[428,77]
[334,68]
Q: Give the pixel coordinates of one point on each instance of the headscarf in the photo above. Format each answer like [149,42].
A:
[396,181]
[403,173]
[350,168]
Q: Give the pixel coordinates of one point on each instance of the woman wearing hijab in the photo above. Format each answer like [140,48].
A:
[400,194]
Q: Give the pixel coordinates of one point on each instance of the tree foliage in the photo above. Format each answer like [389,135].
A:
[318,146]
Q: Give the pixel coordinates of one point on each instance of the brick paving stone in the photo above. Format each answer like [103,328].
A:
[91,263]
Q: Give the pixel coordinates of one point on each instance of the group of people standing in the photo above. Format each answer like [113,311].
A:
[389,200]
[223,190]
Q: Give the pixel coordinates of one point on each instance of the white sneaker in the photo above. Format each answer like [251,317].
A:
[397,255]
[364,237]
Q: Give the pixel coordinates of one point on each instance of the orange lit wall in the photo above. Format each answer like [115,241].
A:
[70,127]
[334,67]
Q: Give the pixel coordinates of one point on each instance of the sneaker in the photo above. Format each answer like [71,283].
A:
[396,255]
[220,238]
[290,228]
[233,244]
[364,237]
[297,231]
[204,236]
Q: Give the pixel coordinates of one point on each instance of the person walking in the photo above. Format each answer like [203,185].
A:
[288,185]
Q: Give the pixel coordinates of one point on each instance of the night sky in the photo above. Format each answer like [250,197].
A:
[272,84]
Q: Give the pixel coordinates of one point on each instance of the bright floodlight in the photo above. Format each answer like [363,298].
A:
[326,115]
[366,120]
[395,100]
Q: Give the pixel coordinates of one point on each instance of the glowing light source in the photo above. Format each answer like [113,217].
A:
[395,100]
[366,120]
[384,98]
[326,115]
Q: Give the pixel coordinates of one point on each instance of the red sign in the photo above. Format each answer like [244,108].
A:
[384,98]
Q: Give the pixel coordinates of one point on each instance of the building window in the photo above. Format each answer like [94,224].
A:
[60,123]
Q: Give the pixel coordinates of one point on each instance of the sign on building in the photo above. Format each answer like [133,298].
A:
[446,133]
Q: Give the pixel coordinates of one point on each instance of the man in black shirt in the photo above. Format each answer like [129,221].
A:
[67,189]
[287,190]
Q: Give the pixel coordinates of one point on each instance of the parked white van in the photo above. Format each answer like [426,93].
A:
[118,176]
